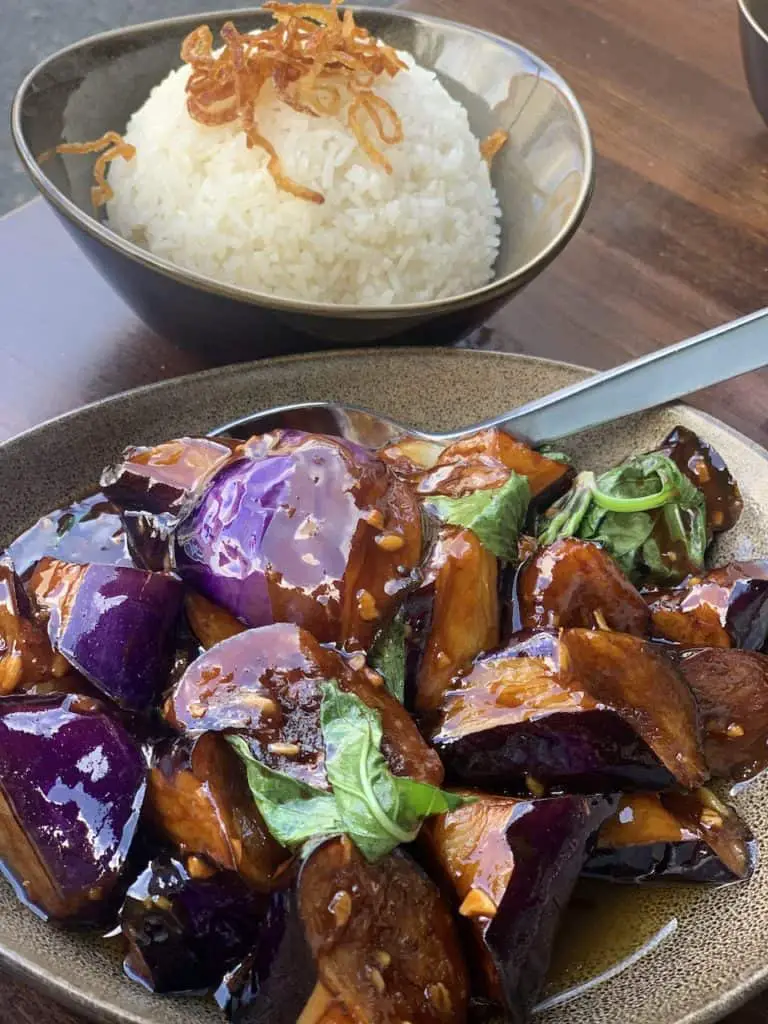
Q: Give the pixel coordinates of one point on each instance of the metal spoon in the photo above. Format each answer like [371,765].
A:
[664,375]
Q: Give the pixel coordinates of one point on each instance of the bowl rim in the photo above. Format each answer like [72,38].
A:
[746,12]
[201,282]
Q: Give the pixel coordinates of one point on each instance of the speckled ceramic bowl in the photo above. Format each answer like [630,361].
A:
[543,177]
[714,954]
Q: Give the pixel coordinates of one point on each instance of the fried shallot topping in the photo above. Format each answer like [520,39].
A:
[110,146]
[318,62]
[490,146]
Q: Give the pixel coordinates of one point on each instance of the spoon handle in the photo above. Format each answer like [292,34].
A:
[709,358]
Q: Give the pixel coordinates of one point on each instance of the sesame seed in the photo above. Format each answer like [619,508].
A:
[390,541]
[257,700]
[366,606]
[373,677]
[357,662]
[734,730]
[710,818]
[197,710]
[442,660]
[535,788]
[600,619]
[440,997]
[199,868]
[377,979]
[341,907]
[284,749]
[383,959]
[375,518]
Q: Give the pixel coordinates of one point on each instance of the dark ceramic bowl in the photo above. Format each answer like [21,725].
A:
[753,24]
[543,177]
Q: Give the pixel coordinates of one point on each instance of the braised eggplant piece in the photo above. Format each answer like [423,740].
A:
[383,938]
[209,623]
[583,710]
[510,866]
[673,837]
[275,980]
[575,583]
[265,685]
[453,615]
[85,531]
[409,456]
[731,690]
[727,607]
[305,529]
[706,469]
[148,537]
[114,624]
[198,799]
[186,925]
[26,655]
[72,783]
[163,478]
[484,460]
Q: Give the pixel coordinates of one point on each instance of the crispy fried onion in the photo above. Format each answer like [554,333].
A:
[110,146]
[319,63]
[490,146]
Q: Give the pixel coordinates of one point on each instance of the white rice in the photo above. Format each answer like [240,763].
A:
[198,197]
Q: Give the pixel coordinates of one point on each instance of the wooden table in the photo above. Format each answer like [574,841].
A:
[675,242]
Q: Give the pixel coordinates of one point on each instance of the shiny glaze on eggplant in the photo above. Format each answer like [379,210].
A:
[89,530]
[485,460]
[576,583]
[511,866]
[731,690]
[305,529]
[265,684]
[583,710]
[673,837]
[383,938]
[727,607]
[72,784]
[26,656]
[198,800]
[706,469]
[186,925]
[454,614]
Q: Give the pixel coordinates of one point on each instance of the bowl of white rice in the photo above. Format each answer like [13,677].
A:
[408,216]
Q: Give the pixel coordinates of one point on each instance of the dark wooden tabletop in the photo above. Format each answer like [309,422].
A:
[675,242]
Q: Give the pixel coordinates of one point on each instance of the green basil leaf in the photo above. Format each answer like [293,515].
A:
[387,656]
[292,810]
[496,515]
[645,512]
[378,809]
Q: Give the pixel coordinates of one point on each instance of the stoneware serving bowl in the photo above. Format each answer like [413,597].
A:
[543,177]
[753,24]
[703,950]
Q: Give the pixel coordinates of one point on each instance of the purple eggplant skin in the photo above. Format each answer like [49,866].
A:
[89,530]
[290,531]
[184,933]
[273,983]
[510,867]
[72,783]
[115,625]
[580,711]
[668,838]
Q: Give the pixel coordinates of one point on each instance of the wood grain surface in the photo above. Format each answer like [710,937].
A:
[675,242]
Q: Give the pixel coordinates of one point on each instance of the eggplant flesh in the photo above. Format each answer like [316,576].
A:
[731,690]
[673,837]
[511,866]
[485,460]
[26,656]
[198,800]
[582,710]
[383,937]
[454,614]
[265,685]
[575,583]
[728,607]
[72,784]
[185,932]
